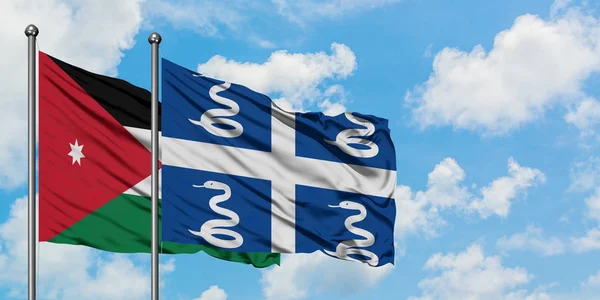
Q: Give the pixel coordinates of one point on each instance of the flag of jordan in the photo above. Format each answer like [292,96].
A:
[95,165]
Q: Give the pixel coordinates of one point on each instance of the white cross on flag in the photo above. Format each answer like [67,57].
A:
[241,174]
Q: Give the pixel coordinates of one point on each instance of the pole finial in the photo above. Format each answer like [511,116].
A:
[31,30]
[154,38]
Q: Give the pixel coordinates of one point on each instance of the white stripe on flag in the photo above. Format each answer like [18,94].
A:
[144,187]
[283,206]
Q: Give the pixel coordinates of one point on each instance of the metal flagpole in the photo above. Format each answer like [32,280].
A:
[154,39]
[31,32]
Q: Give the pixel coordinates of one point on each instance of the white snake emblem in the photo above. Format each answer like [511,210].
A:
[348,247]
[348,136]
[208,228]
[218,115]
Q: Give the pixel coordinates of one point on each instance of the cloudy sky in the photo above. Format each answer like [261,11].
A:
[494,111]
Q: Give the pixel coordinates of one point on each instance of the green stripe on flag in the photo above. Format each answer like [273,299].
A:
[124,225]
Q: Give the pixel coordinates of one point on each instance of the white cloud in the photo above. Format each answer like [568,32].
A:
[532,239]
[74,31]
[309,10]
[533,66]
[446,191]
[443,185]
[559,6]
[287,105]
[167,267]
[472,275]
[333,104]
[588,291]
[203,17]
[496,196]
[586,117]
[302,275]
[262,43]
[296,77]
[212,18]
[593,205]
[589,242]
[66,271]
[420,211]
[524,295]
[593,282]
[213,293]
[427,52]
[585,175]
[417,214]
[118,278]
[331,109]
[244,18]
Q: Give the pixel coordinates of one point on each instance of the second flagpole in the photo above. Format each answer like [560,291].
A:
[31,32]
[154,39]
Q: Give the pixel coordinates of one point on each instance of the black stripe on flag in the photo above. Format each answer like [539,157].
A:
[127,103]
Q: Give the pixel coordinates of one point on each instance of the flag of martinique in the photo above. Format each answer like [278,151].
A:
[95,165]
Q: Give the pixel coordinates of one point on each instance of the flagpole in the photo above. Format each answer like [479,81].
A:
[154,39]
[31,32]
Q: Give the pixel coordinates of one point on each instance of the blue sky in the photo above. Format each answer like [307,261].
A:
[493,110]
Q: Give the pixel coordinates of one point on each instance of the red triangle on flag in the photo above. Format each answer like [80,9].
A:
[86,157]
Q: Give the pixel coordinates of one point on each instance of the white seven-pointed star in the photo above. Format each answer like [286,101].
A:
[76,153]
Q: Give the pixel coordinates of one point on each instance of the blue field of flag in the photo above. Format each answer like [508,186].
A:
[241,210]
[367,235]
[316,135]
[192,94]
